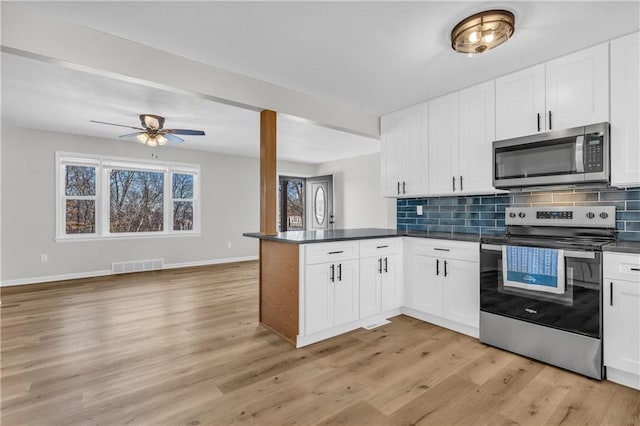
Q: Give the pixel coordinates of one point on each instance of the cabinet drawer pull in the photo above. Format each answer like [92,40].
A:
[610,293]
[336,252]
[378,247]
[635,269]
[437,266]
[386,269]
[441,249]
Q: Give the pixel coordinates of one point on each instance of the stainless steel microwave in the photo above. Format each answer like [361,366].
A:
[561,157]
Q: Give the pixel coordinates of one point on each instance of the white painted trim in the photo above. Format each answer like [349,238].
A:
[442,322]
[623,378]
[91,274]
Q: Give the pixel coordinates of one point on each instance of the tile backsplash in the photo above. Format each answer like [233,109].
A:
[484,214]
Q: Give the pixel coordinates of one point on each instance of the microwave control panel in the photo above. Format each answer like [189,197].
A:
[593,156]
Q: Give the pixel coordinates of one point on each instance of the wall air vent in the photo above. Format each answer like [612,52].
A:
[137,266]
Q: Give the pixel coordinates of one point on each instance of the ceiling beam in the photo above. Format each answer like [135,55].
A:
[37,35]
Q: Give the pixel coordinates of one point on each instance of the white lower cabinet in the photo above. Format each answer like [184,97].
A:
[331,295]
[444,283]
[621,318]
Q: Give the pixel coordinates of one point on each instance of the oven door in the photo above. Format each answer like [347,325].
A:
[576,310]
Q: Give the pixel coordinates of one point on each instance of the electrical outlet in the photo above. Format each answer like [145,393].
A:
[419,210]
[229,244]
[44,258]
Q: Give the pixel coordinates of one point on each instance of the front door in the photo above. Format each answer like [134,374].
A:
[320,203]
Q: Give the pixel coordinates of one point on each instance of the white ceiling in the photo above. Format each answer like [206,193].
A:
[48,96]
[376,56]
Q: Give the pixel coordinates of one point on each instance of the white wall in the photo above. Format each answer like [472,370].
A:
[229,195]
[358,203]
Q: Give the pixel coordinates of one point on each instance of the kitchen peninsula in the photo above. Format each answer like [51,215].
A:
[318,284]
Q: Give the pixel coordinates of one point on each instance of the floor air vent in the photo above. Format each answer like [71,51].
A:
[136,266]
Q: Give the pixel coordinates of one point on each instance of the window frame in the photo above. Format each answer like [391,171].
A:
[104,165]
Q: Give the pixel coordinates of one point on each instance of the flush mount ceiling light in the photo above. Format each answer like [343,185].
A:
[482,31]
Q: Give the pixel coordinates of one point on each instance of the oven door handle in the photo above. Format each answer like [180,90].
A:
[580,254]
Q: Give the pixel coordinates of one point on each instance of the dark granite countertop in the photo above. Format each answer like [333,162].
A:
[623,247]
[307,237]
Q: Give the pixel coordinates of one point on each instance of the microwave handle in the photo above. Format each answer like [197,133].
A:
[580,154]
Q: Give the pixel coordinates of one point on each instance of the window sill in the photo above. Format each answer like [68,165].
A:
[67,239]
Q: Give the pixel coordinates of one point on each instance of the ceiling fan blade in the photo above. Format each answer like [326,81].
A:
[130,135]
[185,132]
[173,138]
[119,125]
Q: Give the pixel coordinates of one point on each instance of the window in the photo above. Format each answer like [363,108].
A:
[101,197]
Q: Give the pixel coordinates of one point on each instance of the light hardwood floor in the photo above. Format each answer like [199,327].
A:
[183,347]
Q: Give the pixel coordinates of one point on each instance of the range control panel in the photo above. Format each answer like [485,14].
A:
[582,216]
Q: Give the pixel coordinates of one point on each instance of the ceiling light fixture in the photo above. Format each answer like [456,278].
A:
[152,140]
[482,31]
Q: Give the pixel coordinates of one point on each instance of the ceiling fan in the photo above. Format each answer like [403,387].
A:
[152,132]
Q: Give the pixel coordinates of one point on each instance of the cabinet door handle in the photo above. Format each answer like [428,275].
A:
[398,187]
[336,252]
[380,265]
[461,183]
[550,127]
[437,266]
[339,271]
[386,269]
[610,293]
[445,268]
[404,187]
[332,273]
[635,269]
[539,117]
[454,183]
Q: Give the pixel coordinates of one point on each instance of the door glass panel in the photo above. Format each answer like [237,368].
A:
[319,205]
[537,159]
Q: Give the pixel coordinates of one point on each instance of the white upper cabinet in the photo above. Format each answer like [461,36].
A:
[578,88]
[477,132]
[567,92]
[520,103]
[443,144]
[405,153]
[625,111]
[461,130]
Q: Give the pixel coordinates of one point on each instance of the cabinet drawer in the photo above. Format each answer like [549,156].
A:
[380,247]
[331,252]
[461,250]
[622,266]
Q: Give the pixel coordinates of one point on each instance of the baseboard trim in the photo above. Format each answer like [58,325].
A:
[92,274]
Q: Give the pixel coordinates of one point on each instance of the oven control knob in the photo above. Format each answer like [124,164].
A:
[521,214]
[512,214]
[591,215]
[604,215]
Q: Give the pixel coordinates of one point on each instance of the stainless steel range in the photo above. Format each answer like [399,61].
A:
[541,285]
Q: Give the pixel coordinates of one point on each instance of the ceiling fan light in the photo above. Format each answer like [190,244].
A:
[152,142]
[161,140]
[482,31]
[142,138]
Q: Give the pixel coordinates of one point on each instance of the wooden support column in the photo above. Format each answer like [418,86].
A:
[268,187]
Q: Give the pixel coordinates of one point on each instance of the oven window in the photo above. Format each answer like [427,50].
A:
[536,159]
[576,310]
